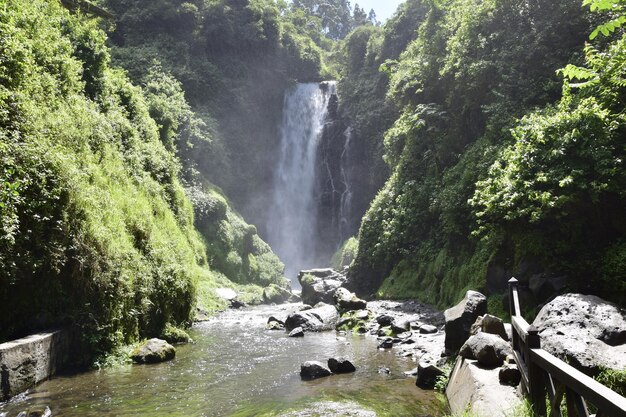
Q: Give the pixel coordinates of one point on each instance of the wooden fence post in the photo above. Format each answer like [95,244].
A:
[536,388]
[513,309]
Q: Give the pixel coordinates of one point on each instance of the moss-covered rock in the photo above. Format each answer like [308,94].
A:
[153,351]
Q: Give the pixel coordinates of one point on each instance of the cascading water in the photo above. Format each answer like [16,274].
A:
[292,220]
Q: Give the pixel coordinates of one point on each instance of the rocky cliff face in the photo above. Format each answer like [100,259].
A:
[333,190]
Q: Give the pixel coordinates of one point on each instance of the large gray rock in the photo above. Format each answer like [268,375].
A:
[312,370]
[478,390]
[319,285]
[586,331]
[488,349]
[346,300]
[459,319]
[153,351]
[323,317]
[26,362]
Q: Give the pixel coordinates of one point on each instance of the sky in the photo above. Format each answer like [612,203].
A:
[384,8]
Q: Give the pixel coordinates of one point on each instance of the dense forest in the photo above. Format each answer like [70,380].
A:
[488,138]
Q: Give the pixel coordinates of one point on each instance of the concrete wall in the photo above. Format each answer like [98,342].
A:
[30,360]
[479,390]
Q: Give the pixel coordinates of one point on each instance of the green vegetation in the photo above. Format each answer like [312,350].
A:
[96,208]
[345,254]
[496,163]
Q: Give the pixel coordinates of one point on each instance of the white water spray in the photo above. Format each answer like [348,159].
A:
[292,220]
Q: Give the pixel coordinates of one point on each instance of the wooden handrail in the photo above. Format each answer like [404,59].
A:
[541,371]
[604,398]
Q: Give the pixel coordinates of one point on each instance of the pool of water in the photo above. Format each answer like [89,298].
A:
[237,368]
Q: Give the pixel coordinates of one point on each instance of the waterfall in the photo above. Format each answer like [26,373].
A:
[292,221]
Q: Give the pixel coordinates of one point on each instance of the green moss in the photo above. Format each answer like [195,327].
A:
[173,335]
[345,254]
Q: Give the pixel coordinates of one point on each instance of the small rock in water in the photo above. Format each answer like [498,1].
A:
[274,325]
[428,329]
[236,304]
[297,332]
[312,370]
[340,366]
[386,343]
[384,370]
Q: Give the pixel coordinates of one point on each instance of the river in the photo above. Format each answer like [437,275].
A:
[237,368]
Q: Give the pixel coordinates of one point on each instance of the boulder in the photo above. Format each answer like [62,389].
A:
[384,320]
[494,325]
[340,366]
[510,374]
[346,300]
[319,285]
[473,389]
[153,351]
[312,370]
[320,318]
[586,331]
[459,319]
[275,294]
[297,332]
[427,374]
[488,349]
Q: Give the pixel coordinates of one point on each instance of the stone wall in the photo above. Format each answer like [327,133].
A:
[26,362]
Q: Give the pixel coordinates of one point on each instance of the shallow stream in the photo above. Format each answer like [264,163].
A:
[237,368]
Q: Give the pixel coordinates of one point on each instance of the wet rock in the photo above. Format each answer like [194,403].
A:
[346,300]
[427,329]
[340,366]
[313,370]
[236,304]
[494,325]
[317,319]
[273,319]
[459,319]
[362,314]
[386,343]
[274,325]
[319,285]
[275,294]
[488,349]
[586,331]
[509,374]
[297,332]
[412,372]
[384,370]
[427,374]
[153,351]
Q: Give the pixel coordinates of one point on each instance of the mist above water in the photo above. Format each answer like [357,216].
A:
[291,228]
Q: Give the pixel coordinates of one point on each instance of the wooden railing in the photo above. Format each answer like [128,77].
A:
[544,375]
